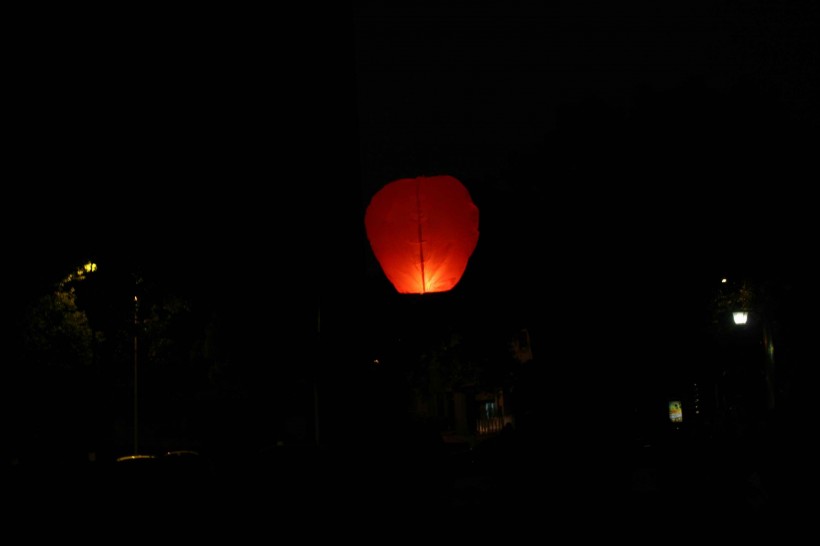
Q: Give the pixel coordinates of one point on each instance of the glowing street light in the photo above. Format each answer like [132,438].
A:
[740,317]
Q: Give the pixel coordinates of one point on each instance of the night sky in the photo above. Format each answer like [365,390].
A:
[623,160]
[621,157]
[586,135]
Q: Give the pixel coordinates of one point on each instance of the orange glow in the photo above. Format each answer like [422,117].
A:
[423,231]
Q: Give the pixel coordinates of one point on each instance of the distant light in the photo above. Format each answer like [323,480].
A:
[135,457]
[675,411]
[723,280]
[740,317]
[80,273]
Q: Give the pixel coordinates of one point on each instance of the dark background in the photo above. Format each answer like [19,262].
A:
[622,159]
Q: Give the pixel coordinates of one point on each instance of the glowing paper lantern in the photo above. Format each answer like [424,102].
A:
[423,231]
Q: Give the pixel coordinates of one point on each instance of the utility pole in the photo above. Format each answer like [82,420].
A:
[136,375]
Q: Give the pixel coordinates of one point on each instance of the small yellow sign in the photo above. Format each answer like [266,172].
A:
[675,411]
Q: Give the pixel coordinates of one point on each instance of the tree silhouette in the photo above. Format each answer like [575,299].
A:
[57,334]
[74,361]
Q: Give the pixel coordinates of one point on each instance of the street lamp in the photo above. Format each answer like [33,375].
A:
[740,317]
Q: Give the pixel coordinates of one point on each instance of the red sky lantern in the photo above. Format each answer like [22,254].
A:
[423,231]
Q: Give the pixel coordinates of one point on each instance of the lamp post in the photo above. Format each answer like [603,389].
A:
[136,375]
[136,457]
